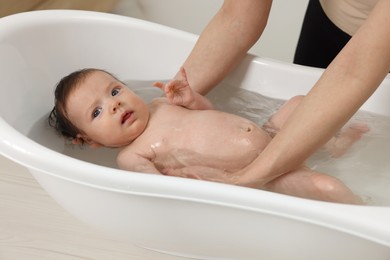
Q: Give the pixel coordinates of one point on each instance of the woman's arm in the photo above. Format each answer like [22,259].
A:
[225,41]
[344,86]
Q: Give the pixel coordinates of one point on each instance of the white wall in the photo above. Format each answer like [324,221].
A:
[279,38]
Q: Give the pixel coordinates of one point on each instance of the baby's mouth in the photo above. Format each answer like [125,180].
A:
[126,116]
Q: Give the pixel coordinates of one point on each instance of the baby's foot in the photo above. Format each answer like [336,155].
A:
[339,145]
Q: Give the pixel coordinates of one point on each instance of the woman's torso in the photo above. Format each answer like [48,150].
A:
[348,15]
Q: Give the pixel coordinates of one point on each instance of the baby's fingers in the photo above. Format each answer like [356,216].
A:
[159,84]
[170,87]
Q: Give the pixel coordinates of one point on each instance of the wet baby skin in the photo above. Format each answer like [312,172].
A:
[181,135]
[202,144]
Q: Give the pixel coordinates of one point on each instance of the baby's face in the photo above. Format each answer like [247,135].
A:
[106,111]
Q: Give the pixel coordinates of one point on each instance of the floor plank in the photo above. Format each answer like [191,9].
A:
[33,226]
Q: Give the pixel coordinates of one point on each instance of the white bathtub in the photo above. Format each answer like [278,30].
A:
[179,216]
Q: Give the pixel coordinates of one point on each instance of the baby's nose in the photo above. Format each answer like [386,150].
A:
[115,105]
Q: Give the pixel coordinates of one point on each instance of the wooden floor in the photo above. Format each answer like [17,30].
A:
[34,227]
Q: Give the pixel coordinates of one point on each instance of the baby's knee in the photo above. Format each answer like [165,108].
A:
[334,190]
[327,184]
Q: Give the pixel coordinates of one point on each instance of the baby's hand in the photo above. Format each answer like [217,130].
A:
[177,91]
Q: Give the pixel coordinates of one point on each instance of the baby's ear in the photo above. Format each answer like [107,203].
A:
[81,139]
[78,141]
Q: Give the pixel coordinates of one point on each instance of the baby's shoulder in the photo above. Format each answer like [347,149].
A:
[126,151]
[137,146]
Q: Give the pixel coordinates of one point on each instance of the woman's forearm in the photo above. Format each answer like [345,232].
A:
[344,86]
[225,41]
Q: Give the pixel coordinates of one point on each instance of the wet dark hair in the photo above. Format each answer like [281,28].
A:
[58,117]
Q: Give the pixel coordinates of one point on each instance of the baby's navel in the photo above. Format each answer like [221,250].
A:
[247,128]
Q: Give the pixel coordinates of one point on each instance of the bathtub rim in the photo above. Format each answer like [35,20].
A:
[30,154]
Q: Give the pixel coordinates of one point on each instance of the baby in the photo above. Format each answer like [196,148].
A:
[181,135]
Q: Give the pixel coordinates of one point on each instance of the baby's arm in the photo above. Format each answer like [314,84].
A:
[132,161]
[179,92]
[201,173]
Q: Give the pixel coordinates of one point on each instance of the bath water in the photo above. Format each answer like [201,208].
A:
[365,168]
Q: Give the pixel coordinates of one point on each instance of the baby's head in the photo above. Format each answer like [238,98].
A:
[94,107]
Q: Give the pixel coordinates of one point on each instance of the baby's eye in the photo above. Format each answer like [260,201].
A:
[96,112]
[114,92]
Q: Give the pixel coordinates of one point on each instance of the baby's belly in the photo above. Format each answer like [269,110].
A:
[229,145]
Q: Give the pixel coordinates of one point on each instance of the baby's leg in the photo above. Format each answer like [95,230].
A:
[310,184]
[338,145]
[277,120]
